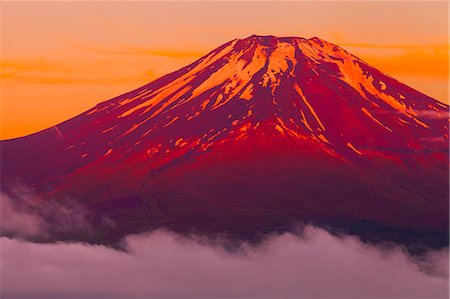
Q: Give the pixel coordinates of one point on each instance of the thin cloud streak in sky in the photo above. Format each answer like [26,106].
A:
[136,50]
[396,46]
[55,72]
[163,265]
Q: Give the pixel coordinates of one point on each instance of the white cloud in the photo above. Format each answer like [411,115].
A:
[432,114]
[26,216]
[20,223]
[164,265]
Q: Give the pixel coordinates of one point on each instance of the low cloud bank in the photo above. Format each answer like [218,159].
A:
[165,265]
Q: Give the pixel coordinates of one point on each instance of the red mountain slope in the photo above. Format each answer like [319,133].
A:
[257,135]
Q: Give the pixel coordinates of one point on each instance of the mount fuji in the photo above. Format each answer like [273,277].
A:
[259,136]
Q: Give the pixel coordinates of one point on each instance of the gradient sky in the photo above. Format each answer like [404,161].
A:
[59,59]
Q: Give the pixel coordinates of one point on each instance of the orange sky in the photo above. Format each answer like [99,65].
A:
[58,59]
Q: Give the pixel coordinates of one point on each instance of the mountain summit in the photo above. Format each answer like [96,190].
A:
[256,136]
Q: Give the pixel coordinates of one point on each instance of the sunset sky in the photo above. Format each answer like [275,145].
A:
[59,59]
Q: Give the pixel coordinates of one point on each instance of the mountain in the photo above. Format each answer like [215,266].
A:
[258,136]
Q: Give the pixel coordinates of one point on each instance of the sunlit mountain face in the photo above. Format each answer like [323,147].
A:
[261,135]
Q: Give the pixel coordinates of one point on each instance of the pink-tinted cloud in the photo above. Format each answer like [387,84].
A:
[432,114]
[20,223]
[22,216]
[163,265]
